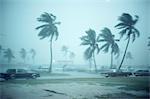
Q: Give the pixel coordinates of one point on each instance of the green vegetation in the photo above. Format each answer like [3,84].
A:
[92,41]
[110,43]
[9,55]
[33,53]
[23,54]
[127,26]
[48,30]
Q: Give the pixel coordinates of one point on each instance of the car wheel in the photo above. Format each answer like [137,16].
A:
[12,76]
[34,76]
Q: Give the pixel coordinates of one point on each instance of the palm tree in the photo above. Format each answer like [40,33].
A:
[48,30]
[9,55]
[91,41]
[23,54]
[33,53]
[127,27]
[65,50]
[90,62]
[109,43]
[72,55]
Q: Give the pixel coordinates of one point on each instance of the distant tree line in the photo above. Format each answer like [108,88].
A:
[9,54]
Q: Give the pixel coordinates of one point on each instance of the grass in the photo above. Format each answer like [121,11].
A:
[129,83]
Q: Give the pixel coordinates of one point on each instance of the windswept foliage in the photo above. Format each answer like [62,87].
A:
[8,54]
[23,54]
[33,53]
[109,43]
[127,27]
[48,30]
[90,40]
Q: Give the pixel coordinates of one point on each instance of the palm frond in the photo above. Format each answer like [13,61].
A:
[126,18]
[45,17]
[85,40]
[44,32]
[88,53]
[105,47]
[92,35]
[121,26]
[136,32]
[133,37]
[42,26]
[115,49]
[55,30]
[123,32]
[136,19]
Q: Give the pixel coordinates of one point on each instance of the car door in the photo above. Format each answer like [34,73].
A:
[21,73]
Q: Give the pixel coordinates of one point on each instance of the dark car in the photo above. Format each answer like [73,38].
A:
[116,73]
[4,76]
[19,73]
[142,73]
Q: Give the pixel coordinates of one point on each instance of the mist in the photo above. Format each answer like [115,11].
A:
[19,20]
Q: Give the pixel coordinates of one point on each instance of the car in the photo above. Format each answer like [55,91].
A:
[19,73]
[116,73]
[142,73]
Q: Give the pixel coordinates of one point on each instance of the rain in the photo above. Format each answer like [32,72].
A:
[73,49]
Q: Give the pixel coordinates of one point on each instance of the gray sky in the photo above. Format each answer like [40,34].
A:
[18,22]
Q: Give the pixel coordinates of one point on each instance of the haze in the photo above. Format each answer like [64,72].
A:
[18,20]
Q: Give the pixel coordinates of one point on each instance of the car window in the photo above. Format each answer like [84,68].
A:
[11,71]
[21,71]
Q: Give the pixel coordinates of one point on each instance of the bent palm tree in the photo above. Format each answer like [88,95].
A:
[33,53]
[48,30]
[127,26]
[110,43]
[91,40]
[9,55]
[23,54]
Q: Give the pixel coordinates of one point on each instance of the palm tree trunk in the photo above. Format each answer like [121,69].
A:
[51,54]
[90,64]
[9,60]
[124,53]
[33,60]
[94,62]
[111,64]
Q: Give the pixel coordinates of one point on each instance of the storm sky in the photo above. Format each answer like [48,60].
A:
[18,20]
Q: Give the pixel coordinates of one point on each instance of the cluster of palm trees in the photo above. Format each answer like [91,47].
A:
[23,54]
[67,53]
[9,55]
[126,26]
